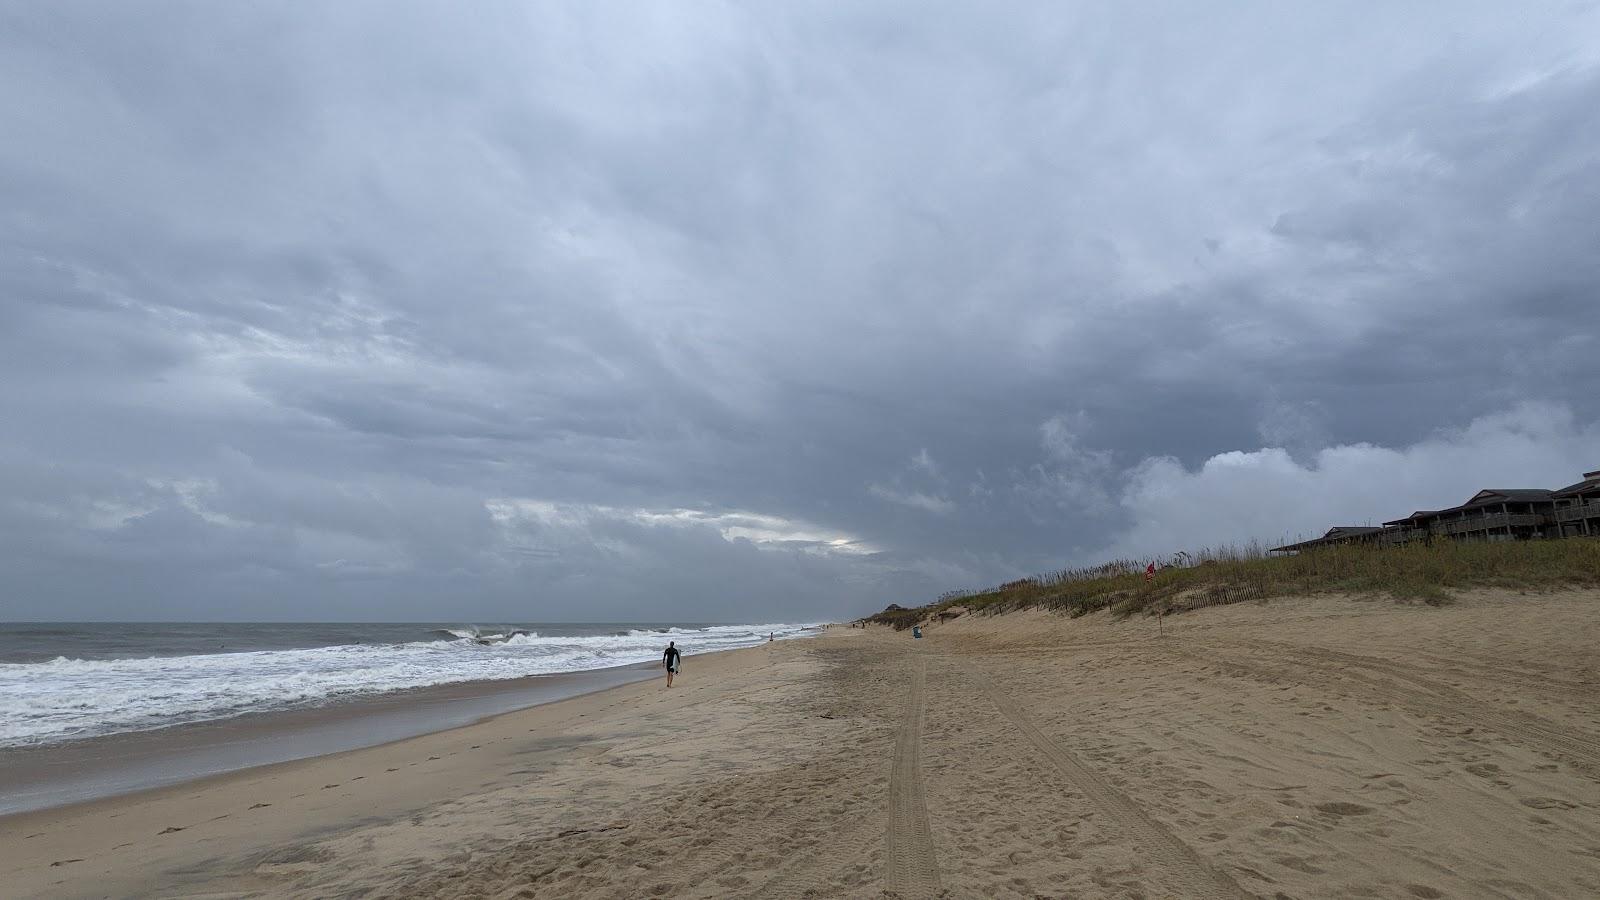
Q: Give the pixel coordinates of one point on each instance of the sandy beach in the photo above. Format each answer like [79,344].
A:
[1326,747]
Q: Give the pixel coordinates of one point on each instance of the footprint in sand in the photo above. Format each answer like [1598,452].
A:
[260,805]
[171,828]
[1341,808]
[1300,863]
[65,862]
[1548,803]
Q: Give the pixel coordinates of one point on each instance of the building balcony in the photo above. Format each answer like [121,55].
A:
[1484,523]
[1590,510]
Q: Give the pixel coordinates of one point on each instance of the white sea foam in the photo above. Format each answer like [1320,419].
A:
[63,699]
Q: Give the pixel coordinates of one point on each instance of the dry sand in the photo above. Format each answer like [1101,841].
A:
[1309,748]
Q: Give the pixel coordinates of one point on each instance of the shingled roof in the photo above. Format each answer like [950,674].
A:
[1335,534]
[1590,482]
[1506,495]
[1419,514]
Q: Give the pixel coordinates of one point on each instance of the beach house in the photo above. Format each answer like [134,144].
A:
[1492,514]
[1338,534]
[1496,514]
[1577,508]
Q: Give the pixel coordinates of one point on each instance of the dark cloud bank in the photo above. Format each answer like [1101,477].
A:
[705,312]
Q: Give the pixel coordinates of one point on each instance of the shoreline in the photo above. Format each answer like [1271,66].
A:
[1310,747]
[53,776]
[168,839]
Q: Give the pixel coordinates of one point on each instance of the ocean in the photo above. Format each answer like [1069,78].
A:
[67,681]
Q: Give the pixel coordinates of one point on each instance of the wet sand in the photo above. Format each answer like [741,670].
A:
[1313,748]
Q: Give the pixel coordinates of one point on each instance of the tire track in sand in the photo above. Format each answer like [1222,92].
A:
[1176,868]
[910,868]
[1413,689]
[1580,749]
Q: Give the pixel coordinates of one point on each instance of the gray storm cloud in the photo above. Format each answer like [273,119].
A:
[604,312]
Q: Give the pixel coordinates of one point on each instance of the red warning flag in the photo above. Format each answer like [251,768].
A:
[1150,571]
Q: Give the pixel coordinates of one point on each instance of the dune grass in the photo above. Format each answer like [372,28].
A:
[1424,572]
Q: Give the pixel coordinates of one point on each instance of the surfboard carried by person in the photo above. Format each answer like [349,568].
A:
[670,658]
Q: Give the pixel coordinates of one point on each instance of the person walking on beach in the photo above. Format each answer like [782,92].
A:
[669,658]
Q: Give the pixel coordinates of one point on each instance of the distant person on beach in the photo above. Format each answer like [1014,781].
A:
[669,658]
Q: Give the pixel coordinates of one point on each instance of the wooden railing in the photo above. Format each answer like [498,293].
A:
[1483,523]
[1590,510]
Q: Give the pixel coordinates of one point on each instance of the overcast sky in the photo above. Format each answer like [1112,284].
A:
[762,312]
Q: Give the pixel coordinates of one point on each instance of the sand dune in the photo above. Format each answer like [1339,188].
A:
[1309,748]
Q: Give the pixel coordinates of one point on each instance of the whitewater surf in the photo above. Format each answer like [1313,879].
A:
[67,697]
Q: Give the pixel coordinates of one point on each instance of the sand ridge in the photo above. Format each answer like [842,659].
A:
[1312,748]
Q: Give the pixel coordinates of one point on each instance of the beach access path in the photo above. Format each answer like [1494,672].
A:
[1324,747]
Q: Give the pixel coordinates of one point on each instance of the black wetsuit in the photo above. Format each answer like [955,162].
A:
[670,656]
